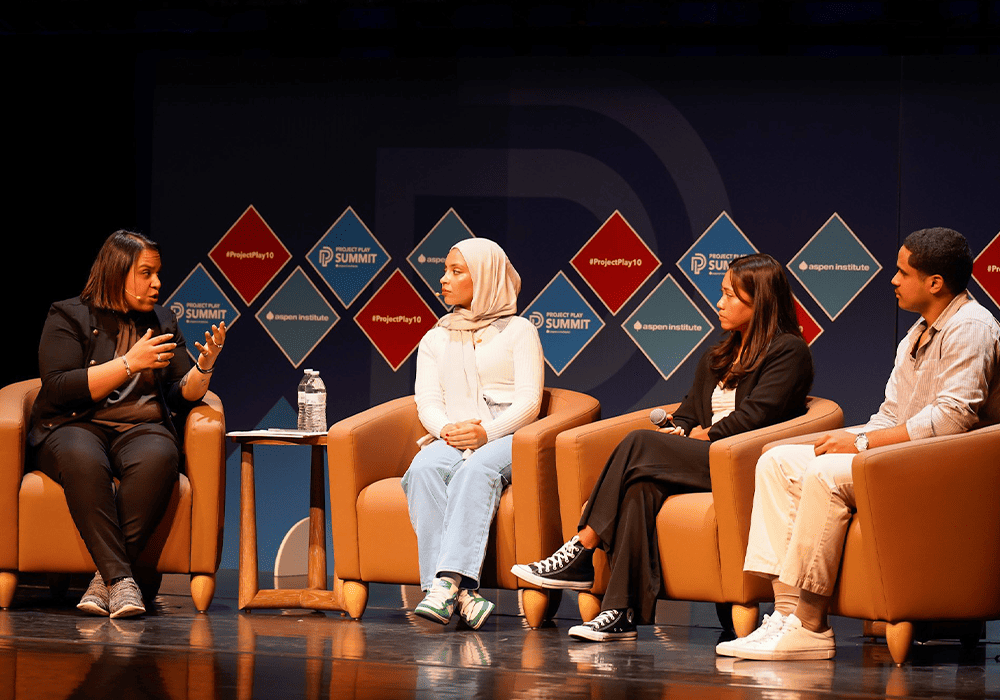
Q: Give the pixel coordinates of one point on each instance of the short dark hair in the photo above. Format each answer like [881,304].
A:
[105,288]
[941,251]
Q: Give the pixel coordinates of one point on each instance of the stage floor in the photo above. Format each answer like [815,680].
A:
[50,650]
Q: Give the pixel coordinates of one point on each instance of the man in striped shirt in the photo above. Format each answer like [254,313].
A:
[945,381]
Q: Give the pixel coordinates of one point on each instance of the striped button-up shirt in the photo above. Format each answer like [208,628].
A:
[951,383]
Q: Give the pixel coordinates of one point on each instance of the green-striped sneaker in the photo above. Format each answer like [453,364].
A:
[473,608]
[439,603]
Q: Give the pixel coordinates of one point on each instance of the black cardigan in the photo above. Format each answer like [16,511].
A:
[774,392]
[76,337]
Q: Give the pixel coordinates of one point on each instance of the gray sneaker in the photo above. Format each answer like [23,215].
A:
[126,600]
[96,599]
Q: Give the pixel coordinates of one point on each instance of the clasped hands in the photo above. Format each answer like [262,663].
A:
[464,435]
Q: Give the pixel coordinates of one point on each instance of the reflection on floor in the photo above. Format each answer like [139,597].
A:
[49,650]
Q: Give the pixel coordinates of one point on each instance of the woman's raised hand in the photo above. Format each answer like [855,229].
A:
[150,351]
[213,345]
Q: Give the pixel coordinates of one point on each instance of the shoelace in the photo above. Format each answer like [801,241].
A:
[605,618]
[562,556]
[775,631]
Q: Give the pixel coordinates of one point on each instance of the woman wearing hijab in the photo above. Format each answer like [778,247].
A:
[479,378]
[758,374]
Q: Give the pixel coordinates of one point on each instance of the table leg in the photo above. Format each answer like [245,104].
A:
[249,585]
[317,521]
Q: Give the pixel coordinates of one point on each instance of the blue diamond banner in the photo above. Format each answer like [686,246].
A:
[834,266]
[428,257]
[348,257]
[297,317]
[198,303]
[565,322]
[667,327]
[705,263]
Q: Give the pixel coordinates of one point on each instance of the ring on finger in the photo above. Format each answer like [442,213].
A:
[157,357]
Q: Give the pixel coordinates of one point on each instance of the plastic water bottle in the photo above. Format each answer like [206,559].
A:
[317,404]
[303,423]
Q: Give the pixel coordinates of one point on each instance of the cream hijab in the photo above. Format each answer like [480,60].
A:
[495,284]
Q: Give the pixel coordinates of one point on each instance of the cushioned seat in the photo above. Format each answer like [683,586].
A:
[43,537]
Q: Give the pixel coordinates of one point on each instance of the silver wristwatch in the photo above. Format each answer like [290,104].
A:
[861,442]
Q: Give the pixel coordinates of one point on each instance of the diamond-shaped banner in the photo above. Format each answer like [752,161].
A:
[615,262]
[428,257]
[198,303]
[986,269]
[250,255]
[667,327]
[297,317]
[834,266]
[395,319]
[565,322]
[705,263]
[348,257]
[808,326]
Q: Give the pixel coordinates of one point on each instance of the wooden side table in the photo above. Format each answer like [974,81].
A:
[316,596]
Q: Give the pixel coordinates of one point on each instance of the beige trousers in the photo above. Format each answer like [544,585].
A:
[802,507]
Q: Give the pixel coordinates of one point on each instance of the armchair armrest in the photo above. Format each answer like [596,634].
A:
[15,408]
[534,481]
[205,466]
[733,463]
[372,445]
[930,522]
[581,454]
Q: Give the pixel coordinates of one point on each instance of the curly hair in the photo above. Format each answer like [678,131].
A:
[941,251]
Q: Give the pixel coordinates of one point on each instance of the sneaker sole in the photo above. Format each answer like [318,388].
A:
[790,655]
[584,632]
[128,611]
[432,615]
[92,607]
[728,650]
[526,574]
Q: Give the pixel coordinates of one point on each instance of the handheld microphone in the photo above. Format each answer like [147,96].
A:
[658,417]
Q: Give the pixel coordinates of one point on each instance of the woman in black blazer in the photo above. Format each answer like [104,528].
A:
[758,375]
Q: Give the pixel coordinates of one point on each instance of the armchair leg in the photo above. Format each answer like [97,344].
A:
[589,604]
[535,604]
[8,584]
[745,619]
[899,636]
[355,598]
[202,590]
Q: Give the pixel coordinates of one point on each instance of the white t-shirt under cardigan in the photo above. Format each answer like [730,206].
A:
[511,372]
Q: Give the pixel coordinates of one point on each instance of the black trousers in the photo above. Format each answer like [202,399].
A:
[644,470]
[85,458]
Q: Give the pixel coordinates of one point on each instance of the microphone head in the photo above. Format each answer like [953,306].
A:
[658,417]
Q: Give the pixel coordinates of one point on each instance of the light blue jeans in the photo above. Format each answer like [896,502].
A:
[452,503]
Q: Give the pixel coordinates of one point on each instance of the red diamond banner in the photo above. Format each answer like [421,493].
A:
[807,324]
[395,319]
[249,255]
[615,262]
[986,269]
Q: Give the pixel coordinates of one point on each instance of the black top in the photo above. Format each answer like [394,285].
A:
[76,337]
[774,392]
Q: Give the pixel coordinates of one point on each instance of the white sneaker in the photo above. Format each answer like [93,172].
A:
[792,642]
[771,624]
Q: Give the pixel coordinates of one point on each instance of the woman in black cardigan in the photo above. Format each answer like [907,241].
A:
[114,371]
[758,375]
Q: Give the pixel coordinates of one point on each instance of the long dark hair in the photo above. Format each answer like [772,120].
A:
[759,281]
[105,288]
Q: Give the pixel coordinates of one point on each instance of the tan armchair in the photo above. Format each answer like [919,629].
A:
[702,536]
[373,540]
[39,533]
[925,541]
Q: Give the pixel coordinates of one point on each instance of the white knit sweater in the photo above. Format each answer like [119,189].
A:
[511,370]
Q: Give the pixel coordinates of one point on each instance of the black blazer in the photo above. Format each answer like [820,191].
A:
[774,392]
[76,337]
